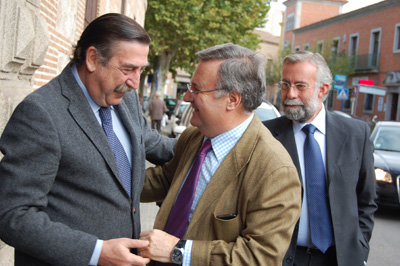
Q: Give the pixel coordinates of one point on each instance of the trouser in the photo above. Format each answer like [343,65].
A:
[313,257]
[156,124]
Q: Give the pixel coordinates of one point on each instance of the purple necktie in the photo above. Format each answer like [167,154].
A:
[179,216]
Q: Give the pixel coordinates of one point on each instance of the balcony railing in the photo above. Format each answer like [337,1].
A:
[369,62]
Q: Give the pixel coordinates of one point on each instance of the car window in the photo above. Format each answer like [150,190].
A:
[265,114]
[387,138]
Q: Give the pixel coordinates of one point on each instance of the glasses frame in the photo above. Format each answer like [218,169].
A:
[128,71]
[192,92]
[300,86]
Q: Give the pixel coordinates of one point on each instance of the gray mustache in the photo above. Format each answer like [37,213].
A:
[123,88]
[293,102]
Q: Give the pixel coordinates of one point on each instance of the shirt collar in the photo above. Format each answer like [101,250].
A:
[319,122]
[93,105]
[224,142]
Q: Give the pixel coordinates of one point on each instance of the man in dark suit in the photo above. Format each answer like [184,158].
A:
[335,165]
[74,156]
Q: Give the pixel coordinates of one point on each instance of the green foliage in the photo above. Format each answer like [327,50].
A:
[339,63]
[273,69]
[182,27]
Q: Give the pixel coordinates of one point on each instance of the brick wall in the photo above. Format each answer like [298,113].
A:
[65,24]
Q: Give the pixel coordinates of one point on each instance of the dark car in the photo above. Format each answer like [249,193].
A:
[386,139]
[171,104]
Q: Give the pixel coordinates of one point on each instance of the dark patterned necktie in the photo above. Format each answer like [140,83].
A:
[318,210]
[124,167]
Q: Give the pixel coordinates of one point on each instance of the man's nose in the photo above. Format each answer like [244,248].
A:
[292,93]
[187,97]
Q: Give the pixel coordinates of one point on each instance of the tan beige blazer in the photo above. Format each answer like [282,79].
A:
[257,181]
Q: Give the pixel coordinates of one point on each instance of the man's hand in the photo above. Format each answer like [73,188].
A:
[116,252]
[160,245]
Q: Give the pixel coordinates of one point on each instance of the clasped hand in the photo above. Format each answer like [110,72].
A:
[160,245]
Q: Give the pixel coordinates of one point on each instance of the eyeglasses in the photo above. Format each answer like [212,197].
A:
[189,87]
[126,71]
[285,86]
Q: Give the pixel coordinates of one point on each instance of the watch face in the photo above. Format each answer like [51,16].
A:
[177,256]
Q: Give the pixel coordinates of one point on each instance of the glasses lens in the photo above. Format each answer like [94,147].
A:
[284,85]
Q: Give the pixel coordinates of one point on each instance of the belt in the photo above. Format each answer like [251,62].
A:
[311,250]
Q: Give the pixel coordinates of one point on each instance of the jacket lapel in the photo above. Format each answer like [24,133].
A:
[83,115]
[336,139]
[228,170]
[284,133]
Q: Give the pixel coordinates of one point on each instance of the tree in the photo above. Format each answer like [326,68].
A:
[180,28]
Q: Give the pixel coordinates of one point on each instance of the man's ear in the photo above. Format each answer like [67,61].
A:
[91,59]
[234,100]
[324,89]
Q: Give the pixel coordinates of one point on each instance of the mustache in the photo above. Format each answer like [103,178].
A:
[293,102]
[123,88]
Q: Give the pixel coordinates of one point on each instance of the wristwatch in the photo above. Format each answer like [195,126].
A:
[177,252]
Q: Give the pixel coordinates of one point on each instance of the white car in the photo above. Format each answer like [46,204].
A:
[265,111]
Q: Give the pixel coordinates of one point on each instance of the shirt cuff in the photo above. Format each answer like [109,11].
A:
[187,253]
[96,253]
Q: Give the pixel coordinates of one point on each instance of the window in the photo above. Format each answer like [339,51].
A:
[374,47]
[290,22]
[335,47]
[353,46]
[368,103]
[396,45]
[320,46]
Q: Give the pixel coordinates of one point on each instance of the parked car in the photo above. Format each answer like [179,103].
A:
[171,104]
[386,139]
[342,113]
[265,111]
[175,118]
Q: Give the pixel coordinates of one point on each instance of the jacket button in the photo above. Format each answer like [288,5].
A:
[289,259]
[134,210]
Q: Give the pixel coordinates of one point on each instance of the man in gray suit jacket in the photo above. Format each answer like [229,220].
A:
[347,170]
[62,199]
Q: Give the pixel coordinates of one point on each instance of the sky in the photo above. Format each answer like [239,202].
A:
[274,15]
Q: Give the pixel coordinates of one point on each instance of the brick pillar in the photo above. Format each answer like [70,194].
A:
[23,44]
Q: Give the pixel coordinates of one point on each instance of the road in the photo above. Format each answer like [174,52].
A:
[385,241]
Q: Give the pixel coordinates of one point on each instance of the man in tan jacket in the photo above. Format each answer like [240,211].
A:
[246,196]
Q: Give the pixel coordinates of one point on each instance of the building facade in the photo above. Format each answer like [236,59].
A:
[37,43]
[370,36]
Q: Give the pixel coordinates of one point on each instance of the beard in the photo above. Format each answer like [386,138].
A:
[123,88]
[304,111]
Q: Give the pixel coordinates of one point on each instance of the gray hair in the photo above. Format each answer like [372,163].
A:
[324,74]
[241,71]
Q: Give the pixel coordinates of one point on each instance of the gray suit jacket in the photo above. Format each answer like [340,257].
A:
[59,183]
[350,180]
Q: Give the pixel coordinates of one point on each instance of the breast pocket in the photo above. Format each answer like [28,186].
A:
[227,227]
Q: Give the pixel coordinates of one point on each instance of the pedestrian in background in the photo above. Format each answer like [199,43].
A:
[157,109]
[231,193]
[334,158]
[74,155]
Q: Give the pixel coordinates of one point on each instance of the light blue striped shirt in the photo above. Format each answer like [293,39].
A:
[221,146]
[122,135]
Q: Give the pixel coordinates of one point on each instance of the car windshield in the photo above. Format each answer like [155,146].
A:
[265,114]
[387,138]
